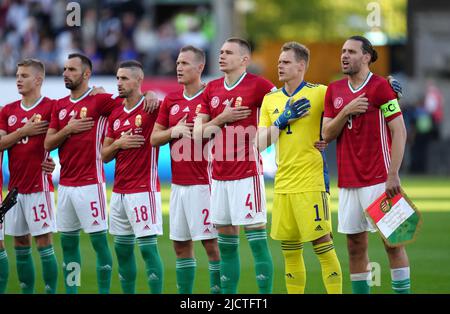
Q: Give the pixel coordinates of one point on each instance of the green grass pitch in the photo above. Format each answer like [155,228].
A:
[429,255]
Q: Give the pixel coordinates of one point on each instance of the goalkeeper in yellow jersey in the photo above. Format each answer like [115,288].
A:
[291,117]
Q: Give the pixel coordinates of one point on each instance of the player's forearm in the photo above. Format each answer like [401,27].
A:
[266,137]
[109,152]
[161,137]
[332,128]
[55,140]
[9,140]
[397,149]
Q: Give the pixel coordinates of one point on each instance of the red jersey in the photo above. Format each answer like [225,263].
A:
[364,145]
[191,167]
[239,158]
[26,156]
[79,155]
[136,169]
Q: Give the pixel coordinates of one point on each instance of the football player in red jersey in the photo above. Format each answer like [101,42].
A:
[190,191]
[362,112]
[231,109]
[77,128]
[23,125]
[135,207]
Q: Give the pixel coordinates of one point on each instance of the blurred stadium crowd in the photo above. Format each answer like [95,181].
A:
[111,31]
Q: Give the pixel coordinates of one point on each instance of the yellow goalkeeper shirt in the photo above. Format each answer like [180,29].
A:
[301,166]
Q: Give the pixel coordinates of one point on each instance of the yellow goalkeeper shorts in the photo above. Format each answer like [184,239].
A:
[300,217]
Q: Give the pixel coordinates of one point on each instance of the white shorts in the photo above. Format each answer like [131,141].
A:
[2,236]
[190,213]
[238,202]
[136,213]
[352,203]
[82,207]
[33,214]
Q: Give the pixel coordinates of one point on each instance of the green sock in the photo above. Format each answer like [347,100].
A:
[185,268]
[153,264]
[263,259]
[360,283]
[230,265]
[70,242]
[104,261]
[4,270]
[49,268]
[214,276]
[124,246]
[401,282]
[25,269]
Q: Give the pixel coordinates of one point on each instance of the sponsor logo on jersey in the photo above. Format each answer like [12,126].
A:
[62,114]
[116,124]
[24,120]
[215,102]
[338,102]
[228,102]
[12,120]
[73,113]
[174,110]
[275,111]
[138,120]
[186,109]
[126,123]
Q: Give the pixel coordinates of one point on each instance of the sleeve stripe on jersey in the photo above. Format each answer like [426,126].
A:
[384,142]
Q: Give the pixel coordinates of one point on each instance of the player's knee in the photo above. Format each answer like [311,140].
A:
[357,246]
[183,249]
[44,240]
[257,226]
[22,241]
[211,248]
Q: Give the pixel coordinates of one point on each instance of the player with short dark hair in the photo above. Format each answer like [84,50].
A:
[77,128]
[135,206]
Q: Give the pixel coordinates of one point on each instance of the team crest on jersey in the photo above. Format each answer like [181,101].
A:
[138,121]
[215,102]
[83,112]
[116,125]
[238,101]
[12,120]
[174,109]
[338,102]
[62,114]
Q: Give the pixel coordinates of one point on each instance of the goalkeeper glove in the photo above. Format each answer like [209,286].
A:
[292,111]
[396,86]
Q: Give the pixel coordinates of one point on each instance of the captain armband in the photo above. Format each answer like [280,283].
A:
[390,108]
